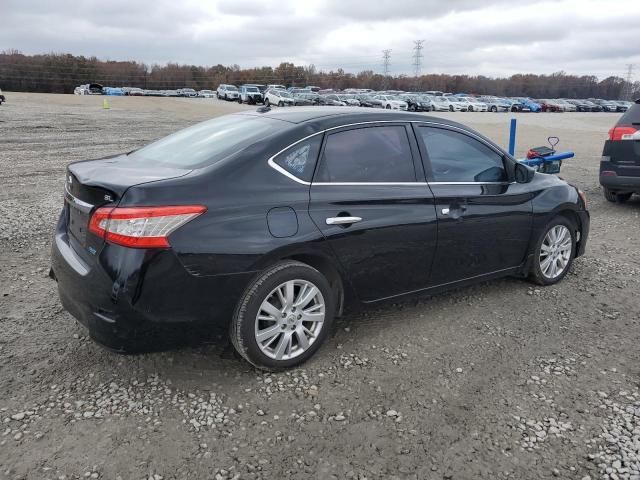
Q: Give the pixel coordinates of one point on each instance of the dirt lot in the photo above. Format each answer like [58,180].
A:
[501,380]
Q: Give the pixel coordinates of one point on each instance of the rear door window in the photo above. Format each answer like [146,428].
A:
[372,154]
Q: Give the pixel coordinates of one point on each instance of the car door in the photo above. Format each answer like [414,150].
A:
[378,218]
[484,219]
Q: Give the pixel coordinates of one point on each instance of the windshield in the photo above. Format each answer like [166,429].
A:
[208,142]
[252,89]
[284,94]
[232,88]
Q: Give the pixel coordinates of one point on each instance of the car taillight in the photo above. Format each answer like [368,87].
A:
[141,227]
[624,132]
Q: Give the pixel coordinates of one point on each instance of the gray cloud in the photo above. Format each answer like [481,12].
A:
[499,37]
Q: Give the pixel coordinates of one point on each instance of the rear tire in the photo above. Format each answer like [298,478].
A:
[252,319]
[280,104]
[388,107]
[616,197]
[554,252]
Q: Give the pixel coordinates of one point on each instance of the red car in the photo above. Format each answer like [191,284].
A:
[550,106]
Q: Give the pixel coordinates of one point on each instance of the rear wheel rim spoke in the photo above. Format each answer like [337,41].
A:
[290,319]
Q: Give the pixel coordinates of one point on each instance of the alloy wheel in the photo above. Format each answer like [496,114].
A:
[290,319]
[555,251]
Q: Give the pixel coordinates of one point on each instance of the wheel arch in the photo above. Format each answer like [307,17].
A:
[328,268]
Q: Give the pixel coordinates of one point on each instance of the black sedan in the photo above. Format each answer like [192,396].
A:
[271,222]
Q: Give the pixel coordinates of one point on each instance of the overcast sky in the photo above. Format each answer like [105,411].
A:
[490,37]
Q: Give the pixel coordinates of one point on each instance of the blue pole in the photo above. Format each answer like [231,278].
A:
[512,137]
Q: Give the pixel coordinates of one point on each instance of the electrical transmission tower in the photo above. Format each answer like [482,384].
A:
[417,56]
[386,62]
[628,87]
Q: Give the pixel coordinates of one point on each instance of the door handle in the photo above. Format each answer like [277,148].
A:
[343,220]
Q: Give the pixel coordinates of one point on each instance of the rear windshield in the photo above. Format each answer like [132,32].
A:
[208,142]
[632,116]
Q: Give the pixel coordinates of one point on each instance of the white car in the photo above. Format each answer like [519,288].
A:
[392,103]
[473,105]
[206,94]
[281,98]
[448,104]
[81,90]
[439,104]
[227,92]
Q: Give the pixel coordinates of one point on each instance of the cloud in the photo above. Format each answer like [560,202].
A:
[495,37]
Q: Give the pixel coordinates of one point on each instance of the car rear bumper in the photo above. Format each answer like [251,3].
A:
[621,183]
[129,298]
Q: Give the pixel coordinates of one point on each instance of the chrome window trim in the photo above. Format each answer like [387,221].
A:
[271,162]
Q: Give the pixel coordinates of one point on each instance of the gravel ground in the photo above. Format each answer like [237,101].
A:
[500,380]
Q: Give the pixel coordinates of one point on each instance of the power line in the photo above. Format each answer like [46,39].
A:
[417,56]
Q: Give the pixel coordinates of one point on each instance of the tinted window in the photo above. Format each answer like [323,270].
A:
[374,154]
[456,157]
[208,142]
[300,159]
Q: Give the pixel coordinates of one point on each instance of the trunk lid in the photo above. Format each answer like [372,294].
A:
[96,183]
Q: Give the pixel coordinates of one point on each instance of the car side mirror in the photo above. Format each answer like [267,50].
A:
[523,174]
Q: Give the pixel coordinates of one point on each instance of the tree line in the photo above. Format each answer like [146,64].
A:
[61,73]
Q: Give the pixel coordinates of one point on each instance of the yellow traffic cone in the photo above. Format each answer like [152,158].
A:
[105,104]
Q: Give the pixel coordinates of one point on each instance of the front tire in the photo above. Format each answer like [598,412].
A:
[267,103]
[283,317]
[388,107]
[554,253]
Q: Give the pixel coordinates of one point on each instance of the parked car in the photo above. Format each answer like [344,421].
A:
[550,106]
[566,106]
[236,222]
[416,103]
[370,101]
[607,105]
[135,92]
[620,164]
[622,105]
[528,104]
[439,104]
[277,87]
[349,99]
[250,94]
[206,94]
[187,92]
[391,102]
[281,98]
[495,104]
[334,100]
[303,99]
[331,100]
[582,105]
[227,92]
[473,104]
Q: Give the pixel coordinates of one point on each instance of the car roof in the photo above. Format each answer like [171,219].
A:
[327,117]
